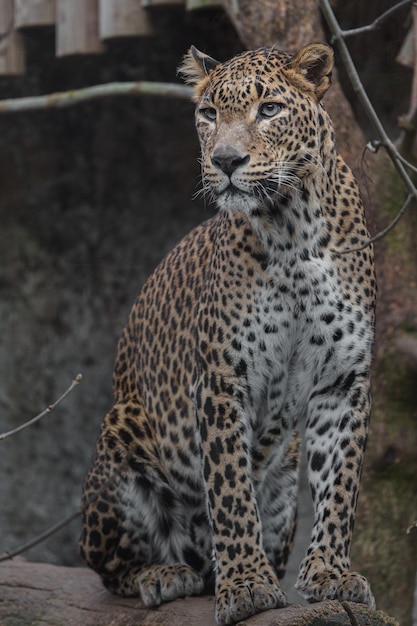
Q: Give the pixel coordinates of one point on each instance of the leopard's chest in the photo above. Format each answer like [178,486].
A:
[287,337]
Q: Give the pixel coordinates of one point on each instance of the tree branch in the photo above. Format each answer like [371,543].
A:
[411,527]
[407,163]
[383,138]
[377,22]
[50,408]
[408,122]
[382,233]
[77,96]
[47,533]
[116,473]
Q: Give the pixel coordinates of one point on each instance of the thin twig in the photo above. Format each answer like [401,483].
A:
[362,95]
[407,163]
[383,139]
[377,22]
[50,408]
[115,474]
[379,235]
[78,96]
[412,527]
[408,122]
[47,533]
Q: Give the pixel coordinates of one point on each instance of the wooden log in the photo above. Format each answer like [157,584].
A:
[12,52]
[123,18]
[77,27]
[57,596]
[34,13]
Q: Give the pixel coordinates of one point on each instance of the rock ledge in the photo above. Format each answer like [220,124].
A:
[46,595]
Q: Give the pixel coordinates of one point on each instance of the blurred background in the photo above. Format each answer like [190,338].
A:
[91,198]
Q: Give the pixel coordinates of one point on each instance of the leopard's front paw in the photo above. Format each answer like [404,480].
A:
[353,587]
[163,583]
[241,598]
[324,585]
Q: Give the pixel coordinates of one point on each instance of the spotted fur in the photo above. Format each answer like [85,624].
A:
[256,319]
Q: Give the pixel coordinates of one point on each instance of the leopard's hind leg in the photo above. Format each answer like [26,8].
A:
[278,507]
[137,533]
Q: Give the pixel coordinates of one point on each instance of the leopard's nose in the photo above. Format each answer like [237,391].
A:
[228,159]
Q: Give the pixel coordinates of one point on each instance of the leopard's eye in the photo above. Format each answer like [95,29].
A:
[269,109]
[209,113]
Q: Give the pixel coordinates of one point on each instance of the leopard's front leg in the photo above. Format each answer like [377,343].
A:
[245,581]
[336,437]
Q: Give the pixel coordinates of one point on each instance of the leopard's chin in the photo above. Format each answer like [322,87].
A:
[234,199]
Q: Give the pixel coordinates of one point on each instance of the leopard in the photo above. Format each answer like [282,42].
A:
[257,326]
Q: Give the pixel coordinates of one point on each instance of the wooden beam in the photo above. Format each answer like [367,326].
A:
[77,27]
[34,13]
[123,18]
[12,52]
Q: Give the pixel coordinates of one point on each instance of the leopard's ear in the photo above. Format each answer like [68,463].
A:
[196,66]
[311,68]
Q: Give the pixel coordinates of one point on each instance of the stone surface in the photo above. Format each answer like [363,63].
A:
[41,594]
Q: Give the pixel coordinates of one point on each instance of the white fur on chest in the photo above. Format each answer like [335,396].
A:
[294,348]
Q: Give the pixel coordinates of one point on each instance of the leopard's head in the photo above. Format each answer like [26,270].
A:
[260,121]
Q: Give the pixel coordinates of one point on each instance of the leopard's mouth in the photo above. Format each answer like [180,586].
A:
[232,189]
